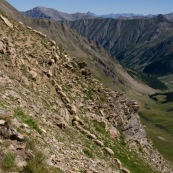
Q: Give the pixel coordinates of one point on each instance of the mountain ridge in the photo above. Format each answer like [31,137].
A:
[86,49]
[144,37]
[50,13]
[44,12]
[133,42]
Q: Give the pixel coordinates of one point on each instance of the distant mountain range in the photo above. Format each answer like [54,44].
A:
[49,13]
[43,12]
[124,16]
[142,42]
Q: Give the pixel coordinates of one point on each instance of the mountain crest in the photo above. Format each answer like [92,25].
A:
[43,12]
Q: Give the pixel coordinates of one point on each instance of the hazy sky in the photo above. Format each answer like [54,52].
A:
[99,6]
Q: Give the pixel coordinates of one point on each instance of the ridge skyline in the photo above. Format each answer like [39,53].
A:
[99,8]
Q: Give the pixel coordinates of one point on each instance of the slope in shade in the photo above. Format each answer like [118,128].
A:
[136,43]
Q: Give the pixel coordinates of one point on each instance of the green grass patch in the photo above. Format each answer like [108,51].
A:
[56,170]
[19,113]
[162,140]
[90,149]
[8,162]
[162,97]
[36,165]
[130,160]
[168,80]
[1,104]
[99,126]
[158,117]
[88,153]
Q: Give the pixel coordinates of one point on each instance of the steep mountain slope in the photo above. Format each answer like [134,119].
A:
[11,11]
[143,44]
[55,117]
[43,12]
[102,66]
[99,61]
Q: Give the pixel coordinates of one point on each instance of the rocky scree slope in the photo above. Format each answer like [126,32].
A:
[55,117]
[142,44]
[97,58]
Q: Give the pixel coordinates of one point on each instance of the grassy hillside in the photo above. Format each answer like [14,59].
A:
[168,80]
[148,79]
[157,115]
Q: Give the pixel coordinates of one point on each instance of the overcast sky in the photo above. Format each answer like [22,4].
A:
[99,6]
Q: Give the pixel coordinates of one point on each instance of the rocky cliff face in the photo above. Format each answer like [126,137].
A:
[143,44]
[55,117]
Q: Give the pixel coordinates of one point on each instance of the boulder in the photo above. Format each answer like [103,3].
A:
[2,122]
[33,74]
[99,143]
[114,133]
[53,42]
[7,22]
[75,123]
[72,109]
[118,162]
[124,170]
[15,122]
[91,136]
[108,150]
[85,72]
[49,73]
[76,118]
[17,136]
[58,88]
[61,123]
[135,106]
[1,47]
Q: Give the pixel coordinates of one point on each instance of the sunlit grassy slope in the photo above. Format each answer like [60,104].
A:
[157,115]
